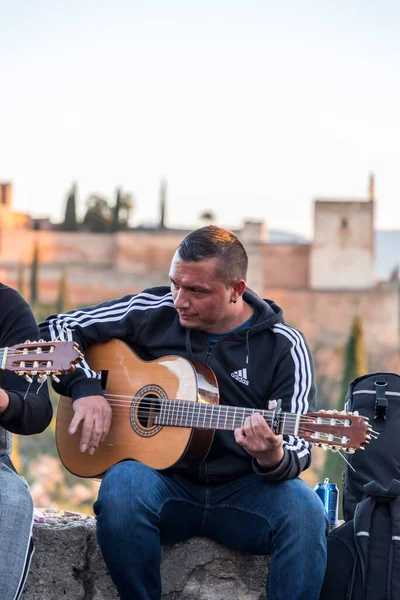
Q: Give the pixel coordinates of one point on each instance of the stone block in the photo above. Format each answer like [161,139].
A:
[68,565]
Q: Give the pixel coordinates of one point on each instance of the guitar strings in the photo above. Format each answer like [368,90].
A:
[178,405]
[178,410]
[225,426]
[337,438]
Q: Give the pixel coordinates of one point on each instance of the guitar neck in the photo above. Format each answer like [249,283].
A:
[197,415]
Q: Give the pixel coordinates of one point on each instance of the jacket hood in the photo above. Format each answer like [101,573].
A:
[266,313]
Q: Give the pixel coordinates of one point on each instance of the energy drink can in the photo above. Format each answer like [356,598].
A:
[329,494]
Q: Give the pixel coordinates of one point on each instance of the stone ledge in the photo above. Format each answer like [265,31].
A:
[68,565]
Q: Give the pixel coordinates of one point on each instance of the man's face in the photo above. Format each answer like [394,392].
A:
[201,299]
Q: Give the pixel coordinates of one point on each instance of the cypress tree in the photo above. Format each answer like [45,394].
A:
[70,222]
[21,283]
[116,225]
[62,299]
[15,455]
[355,364]
[163,203]
[35,274]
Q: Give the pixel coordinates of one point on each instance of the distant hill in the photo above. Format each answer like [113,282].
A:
[387,252]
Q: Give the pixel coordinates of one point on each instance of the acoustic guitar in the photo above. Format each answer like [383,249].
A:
[165,412]
[40,359]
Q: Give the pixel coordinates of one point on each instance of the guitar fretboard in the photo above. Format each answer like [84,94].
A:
[183,413]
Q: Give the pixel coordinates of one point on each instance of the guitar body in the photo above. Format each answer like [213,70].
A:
[132,387]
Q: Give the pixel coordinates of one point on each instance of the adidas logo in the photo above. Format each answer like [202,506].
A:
[240,375]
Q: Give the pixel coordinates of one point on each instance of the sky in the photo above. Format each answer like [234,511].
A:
[250,109]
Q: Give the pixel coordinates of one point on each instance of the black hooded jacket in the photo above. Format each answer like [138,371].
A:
[29,410]
[266,361]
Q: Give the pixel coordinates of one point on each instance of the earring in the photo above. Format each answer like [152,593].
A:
[234,300]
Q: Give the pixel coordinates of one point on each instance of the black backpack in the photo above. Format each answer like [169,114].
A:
[376,396]
[364,553]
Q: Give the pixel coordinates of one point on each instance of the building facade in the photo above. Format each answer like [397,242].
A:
[321,285]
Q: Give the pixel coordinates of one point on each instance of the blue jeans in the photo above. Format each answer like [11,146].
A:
[16,520]
[139,508]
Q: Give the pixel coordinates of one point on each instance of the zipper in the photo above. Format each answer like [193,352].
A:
[202,472]
[210,350]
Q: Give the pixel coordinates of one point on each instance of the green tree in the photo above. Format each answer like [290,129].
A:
[62,299]
[15,455]
[207,217]
[116,225]
[98,217]
[163,203]
[70,223]
[21,282]
[35,274]
[355,365]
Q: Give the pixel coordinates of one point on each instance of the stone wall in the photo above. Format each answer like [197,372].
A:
[325,316]
[286,266]
[67,565]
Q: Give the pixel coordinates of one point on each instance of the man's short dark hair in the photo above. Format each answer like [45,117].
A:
[215,242]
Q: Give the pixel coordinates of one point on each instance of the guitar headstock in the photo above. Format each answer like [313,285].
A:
[42,359]
[335,430]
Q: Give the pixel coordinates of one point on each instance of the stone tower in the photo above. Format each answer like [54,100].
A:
[342,253]
[9,219]
[5,195]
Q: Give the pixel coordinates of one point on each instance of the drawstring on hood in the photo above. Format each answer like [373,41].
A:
[247,346]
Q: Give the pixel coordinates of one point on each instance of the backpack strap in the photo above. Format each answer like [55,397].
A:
[394,566]
[362,527]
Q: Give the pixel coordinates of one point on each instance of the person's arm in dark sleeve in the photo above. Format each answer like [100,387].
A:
[92,325]
[123,319]
[294,384]
[25,408]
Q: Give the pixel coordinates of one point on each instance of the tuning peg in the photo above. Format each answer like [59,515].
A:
[42,378]
[27,342]
[29,379]
[55,378]
[349,450]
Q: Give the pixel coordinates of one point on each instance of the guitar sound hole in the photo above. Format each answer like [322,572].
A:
[148,410]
